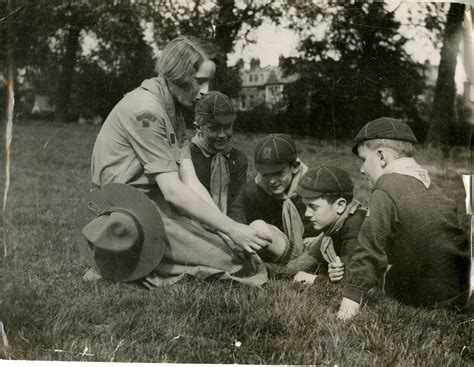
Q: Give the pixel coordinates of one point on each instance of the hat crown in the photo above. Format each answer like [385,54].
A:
[214,107]
[384,128]
[114,231]
[275,149]
[324,179]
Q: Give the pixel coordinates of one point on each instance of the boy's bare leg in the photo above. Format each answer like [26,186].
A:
[279,242]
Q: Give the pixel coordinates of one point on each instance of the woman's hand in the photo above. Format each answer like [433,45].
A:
[248,238]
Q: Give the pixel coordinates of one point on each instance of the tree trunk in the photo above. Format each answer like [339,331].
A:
[227,27]
[444,119]
[67,71]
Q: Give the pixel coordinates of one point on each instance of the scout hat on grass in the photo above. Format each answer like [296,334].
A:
[384,128]
[214,108]
[274,152]
[324,180]
[124,233]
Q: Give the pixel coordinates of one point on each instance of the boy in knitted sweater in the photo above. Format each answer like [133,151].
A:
[327,192]
[220,167]
[270,203]
[411,228]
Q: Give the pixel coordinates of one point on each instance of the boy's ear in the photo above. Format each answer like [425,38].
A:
[295,166]
[341,204]
[382,155]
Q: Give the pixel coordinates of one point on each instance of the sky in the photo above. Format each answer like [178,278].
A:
[273,41]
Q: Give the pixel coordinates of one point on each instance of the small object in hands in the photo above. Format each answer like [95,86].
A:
[304,277]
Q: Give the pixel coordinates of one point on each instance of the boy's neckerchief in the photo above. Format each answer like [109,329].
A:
[220,175]
[293,225]
[324,241]
[407,166]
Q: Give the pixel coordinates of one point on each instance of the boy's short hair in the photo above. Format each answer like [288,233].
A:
[328,182]
[274,152]
[181,59]
[384,128]
[400,147]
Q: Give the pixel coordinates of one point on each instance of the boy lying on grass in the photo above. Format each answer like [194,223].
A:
[327,192]
[410,225]
[270,203]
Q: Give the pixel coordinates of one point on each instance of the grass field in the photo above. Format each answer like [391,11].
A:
[50,313]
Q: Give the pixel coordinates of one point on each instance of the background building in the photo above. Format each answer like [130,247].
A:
[261,85]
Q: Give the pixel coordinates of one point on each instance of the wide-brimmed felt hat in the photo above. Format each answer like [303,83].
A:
[123,236]
[214,108]
[324,180]
[384,128]
[274,152]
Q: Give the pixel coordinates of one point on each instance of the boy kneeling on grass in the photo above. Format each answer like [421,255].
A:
[411,228]
[327,192]
[269,203]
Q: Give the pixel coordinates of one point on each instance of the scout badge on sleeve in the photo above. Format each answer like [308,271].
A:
[468,181]
[123,237]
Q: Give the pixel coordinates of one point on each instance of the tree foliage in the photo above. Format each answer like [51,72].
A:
[51,38]
[357,71]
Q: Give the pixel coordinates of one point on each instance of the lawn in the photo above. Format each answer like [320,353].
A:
[50,313]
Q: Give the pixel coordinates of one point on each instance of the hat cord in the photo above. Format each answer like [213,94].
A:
[109,209]
[96,209]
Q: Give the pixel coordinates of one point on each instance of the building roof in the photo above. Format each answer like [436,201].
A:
[260,77]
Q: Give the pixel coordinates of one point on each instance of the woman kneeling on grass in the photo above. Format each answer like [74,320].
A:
[143,144]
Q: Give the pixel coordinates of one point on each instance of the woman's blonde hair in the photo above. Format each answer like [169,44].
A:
[181,58]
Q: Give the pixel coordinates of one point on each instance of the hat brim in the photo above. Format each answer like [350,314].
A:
[270,168]
[126,197]
[217,119]
[308,194]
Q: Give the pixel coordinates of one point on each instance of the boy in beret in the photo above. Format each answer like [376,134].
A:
[411,226]
[270,202]
[327,192]
[220,167]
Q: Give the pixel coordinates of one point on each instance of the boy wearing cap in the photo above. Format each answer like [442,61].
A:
[220,167]
[271,198]
[327,192]
[411,225]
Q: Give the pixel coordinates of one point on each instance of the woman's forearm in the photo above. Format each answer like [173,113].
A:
[188,176]
[187,200]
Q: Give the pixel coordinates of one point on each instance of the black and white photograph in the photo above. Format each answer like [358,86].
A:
[245,182]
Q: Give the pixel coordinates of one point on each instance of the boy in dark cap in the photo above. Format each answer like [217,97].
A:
[220,167]
[411,226]
[327,192]
[271,201]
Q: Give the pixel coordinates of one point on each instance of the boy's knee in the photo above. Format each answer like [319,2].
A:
[261,226]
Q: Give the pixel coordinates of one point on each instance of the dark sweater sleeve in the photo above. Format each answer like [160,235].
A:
[241,170]
[237,208]
[238,174]
[349,236]
[370,258]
